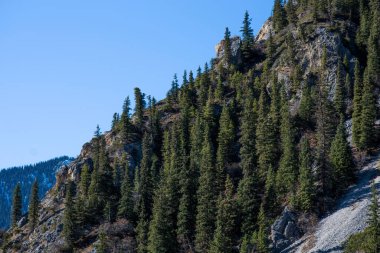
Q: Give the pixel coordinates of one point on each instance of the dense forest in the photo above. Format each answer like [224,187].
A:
[211,167]
[43,172]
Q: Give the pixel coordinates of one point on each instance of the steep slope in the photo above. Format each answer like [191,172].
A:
[349,216]
[238,121]
[43,172]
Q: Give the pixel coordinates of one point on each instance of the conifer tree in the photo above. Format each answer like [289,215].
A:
[266,142]
[306,109]
[16,205]
[306,182]
[225,141]
[227,47]
[368,113]
[356,115]
[125,208]
[101,246]
[139,107]
[145,195]
[270,197]
[226,221]
[374,220]
[261,237]
[68,216]
[247,39]
[248,192]
[207,196]
[34,203]
[341,158]
[279,16]
[115,121]
[125,121]
[339,98]
[291,9]
[287,172]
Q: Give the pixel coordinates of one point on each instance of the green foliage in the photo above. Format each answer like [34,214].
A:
[125,122]
[101,246]
[287,171]
[307,106]
[207,196]
[227,47]
[16,205]
[126,203]
[139,107]
[341,158]
[306,189]
[356,115]
[34,206]
[248,193]
[339,98]
[69,216]
[226,139]
[247,46]
[279,15]
[226,222]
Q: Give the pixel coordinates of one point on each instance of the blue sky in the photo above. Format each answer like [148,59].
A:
[67,65]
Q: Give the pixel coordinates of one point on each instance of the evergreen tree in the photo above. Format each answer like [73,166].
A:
[145,195]
[291,9]
[279,16]
[34,205]
[227,47]
[125,121]
[226,222]
[68,216]
[139,107]
[306,109]
[115,121]
[287,172]
[306,180]
[248,192]
[368,113]
[101,246]
[125,208]
[207,196]
[261,237]
[341,158]
[247,39]
[357,105]
[374,220]
[16,205]
[339,98]
[225,141]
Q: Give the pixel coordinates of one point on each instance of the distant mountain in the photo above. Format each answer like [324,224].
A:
[44,172]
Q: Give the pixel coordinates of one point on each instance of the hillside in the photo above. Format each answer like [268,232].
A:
[43,172]
[247,155]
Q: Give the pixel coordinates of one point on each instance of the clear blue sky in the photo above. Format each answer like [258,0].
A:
[67,65]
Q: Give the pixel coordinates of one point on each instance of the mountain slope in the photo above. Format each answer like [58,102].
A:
[349,217]
[43,172]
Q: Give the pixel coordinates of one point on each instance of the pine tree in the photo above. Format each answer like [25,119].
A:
[357,105]
[225,141]
[125,121]
[279,16]
[261,237]
[207,196]
[270,196]
[339,98]
[34,204]
[374,220]
[247,39]
[226,222]
[139,107]
[306,180]
[68,216]
[16,205]
[248,192]
[227,47]
[125,208]
[368,113]
[115,121]
[291,12]
[306,109]
[287,172]
[145,195]
[341,158]
[101,246]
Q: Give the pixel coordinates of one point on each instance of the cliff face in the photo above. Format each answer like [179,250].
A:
[306,51]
